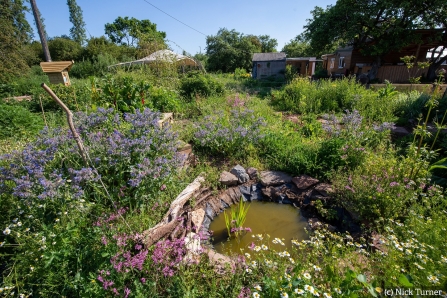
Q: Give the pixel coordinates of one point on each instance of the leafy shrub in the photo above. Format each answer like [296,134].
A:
[228,134]
[196,83]
[96,66]
[304,96]
[164,100]
[17,121]
[380,188]
[410,105]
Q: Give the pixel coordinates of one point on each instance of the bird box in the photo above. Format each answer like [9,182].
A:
[57,72]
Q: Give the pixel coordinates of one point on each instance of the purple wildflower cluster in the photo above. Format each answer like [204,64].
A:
[229,135]
[130,257]
[244,293]
[105,220]
[236,101]
[134,151]
[168,255]
[383,127]
[353,122]
[332,125]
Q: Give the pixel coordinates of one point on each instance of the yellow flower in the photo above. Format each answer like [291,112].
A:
[378,290]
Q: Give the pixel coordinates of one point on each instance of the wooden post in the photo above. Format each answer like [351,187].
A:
[70,122]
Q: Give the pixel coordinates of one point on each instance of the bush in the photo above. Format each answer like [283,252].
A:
[17,121]
[198,84]
[164,100]
[223,134]
[303,96]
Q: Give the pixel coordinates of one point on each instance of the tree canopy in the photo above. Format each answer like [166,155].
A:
[77,32]
[129,31]
[376,27]
[229,49]
[15,33]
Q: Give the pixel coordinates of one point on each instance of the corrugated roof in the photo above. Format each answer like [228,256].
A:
[58,66]
[269,56]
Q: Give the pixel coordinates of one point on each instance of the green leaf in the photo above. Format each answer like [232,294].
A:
[403,280]
[361,278]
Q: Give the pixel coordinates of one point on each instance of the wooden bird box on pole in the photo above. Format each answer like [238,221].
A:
[57,71]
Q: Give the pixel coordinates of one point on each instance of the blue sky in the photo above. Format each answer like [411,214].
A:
[281,19]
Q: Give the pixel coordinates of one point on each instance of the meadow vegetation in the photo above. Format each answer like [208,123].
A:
[74,229]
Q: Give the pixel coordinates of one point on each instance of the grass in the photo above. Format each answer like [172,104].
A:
[86,246]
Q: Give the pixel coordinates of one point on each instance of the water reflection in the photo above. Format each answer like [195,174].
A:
[277,220]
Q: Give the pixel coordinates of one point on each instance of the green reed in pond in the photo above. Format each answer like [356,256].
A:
[235,220]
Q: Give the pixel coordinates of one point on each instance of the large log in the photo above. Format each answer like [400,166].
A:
[173,217]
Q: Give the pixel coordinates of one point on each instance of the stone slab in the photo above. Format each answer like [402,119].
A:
[304,181]
[274,178]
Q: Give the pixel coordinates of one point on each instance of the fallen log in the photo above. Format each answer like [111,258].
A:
[173,217]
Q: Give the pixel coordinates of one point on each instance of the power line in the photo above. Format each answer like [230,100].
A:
[174,18]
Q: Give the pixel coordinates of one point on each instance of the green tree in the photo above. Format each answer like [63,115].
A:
[228,50]
[102,45]
[299,47]
[15,33]
[77,32]
[374,27]
[128,31]
[64,49]
[268,44]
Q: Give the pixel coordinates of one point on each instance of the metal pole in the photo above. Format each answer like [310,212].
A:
[43,40]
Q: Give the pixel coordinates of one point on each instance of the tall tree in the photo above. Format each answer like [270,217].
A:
[128,31]
[229,49]
[15,32]
[268,44]
[376,27]
[298,47]
[77,32]
[41,30]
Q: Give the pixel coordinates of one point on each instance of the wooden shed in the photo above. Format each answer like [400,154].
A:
[267,65]
[57,71]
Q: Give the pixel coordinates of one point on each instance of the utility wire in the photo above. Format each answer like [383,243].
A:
[226,43]
[174,18]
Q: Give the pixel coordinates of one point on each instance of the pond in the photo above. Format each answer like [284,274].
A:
[277,220]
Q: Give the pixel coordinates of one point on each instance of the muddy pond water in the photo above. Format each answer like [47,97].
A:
[277,220]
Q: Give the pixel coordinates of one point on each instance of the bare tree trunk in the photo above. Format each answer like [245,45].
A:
[43,40]
[375,68]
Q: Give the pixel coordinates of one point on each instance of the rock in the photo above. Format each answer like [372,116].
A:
[315,223]
[183,146]
[209,211]
[226,178]
[246,192]
[378,242]
[166,118]
[399,131]
[197,217]
[274,178]
[268,192]
[324,189]
[192,243]
[304,181]
[252,173]
[240,173]
[256,192]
